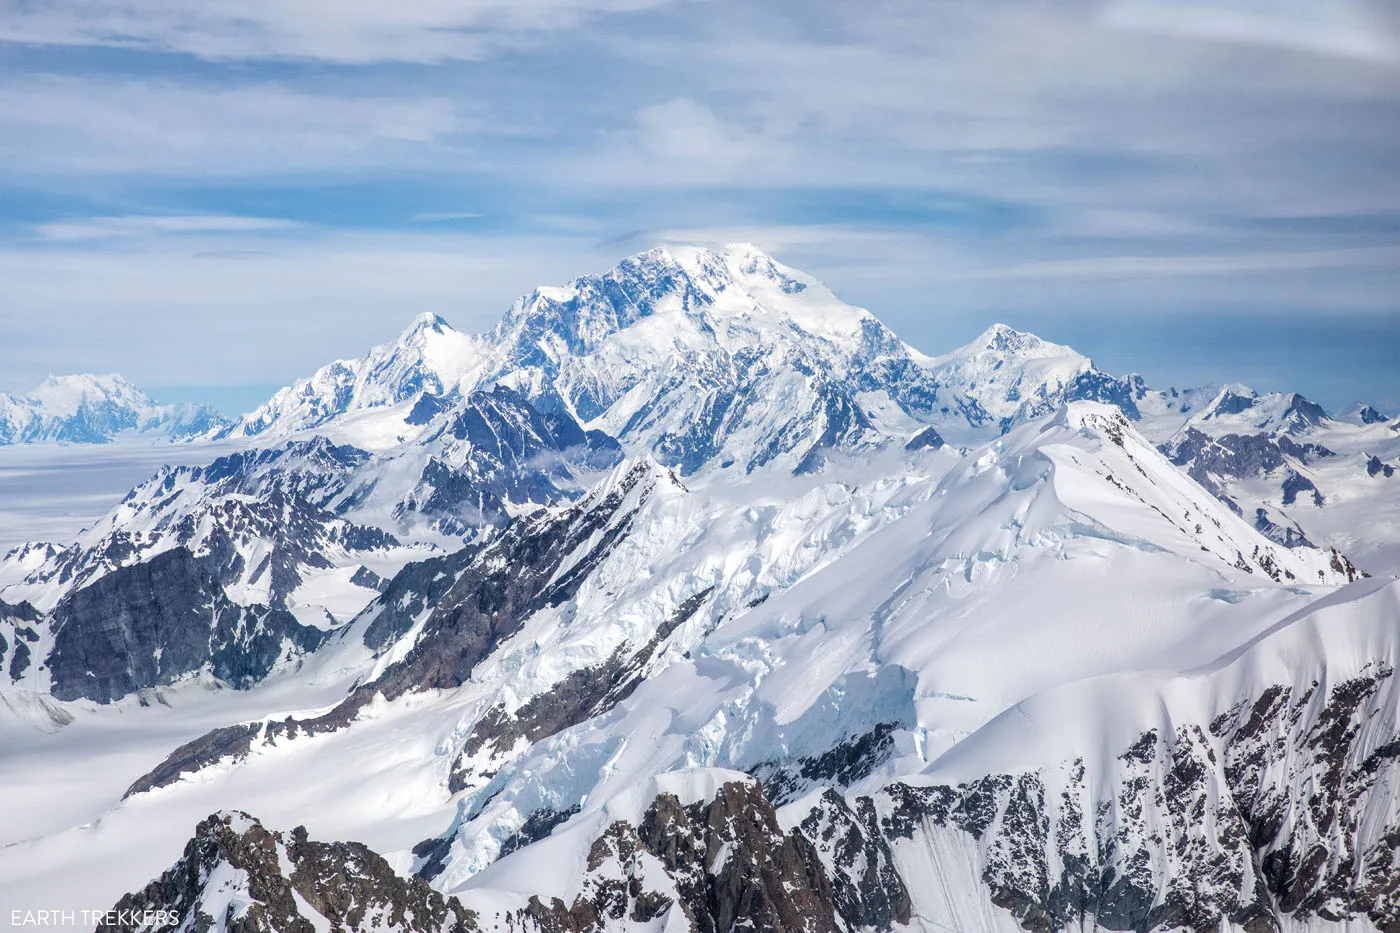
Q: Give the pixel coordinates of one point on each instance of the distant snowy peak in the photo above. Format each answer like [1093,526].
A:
[1013,376]
[1364,415]
[430,357]
[1239,409]
[95,409]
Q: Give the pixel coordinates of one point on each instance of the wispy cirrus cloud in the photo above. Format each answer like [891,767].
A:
[1139,267]
[1346,28]
[87,124]
[343,31]
[936,160]
[143,225]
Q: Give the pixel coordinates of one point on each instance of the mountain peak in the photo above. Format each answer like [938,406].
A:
[65,395]
[94,408]
[426,323]
[1006,339]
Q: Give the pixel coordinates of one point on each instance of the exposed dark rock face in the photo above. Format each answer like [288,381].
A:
[496,448]
[1096,386]
[867,889]
[275,501]
[343,883]
[714,866]
[154,623]
[729,863]
[476,607]
[1278,809]
[1210,460]
[20,621]
[294,532]
[230,741]
[1370,415]
[1307,452]
[1303,413]
[409,594]
[928,438]
[1343,565]
[1376,467]
[1281,809]
[297,504]
[1215,462]
[369,580]
[1233,456]
[536,827]
[580,696]
[1295,484]
[1289,535]
[513,577]
[19,660]
[840,766]
[19,612]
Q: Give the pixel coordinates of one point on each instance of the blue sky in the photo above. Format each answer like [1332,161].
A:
[216,198]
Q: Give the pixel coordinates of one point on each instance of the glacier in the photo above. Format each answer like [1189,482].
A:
[692,598]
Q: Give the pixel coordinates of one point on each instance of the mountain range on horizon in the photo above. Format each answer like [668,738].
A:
[689,597]
[87,408]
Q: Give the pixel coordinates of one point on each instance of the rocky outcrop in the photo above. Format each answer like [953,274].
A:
[154,623]
[580,696]
[1278,814]
[840,766]
[514,576]
[19,624]
[228,742]
[493,448]
[1281,811]
[235,874]
[716,866]
[928,438]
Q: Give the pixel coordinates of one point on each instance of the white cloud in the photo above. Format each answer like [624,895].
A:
[1227,263]
[350,31]
[50,124]
[248,307]
[101,228]
[1345,28]
[685,130]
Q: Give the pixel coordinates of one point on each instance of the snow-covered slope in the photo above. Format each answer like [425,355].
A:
[88,409]
[1301,476]
[822,632]
[311,525]
[734,641]
[430,358]
[1013,377]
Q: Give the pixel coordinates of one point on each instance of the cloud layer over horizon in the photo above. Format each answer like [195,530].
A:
[203,194]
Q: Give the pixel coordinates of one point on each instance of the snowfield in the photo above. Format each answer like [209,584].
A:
[690,598]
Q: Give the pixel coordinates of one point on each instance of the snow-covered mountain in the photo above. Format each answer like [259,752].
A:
[858,702]
[704,358]
[429,358]
[1013,377]
[1300,475]
[311,525]
[88,409]
[691,599]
